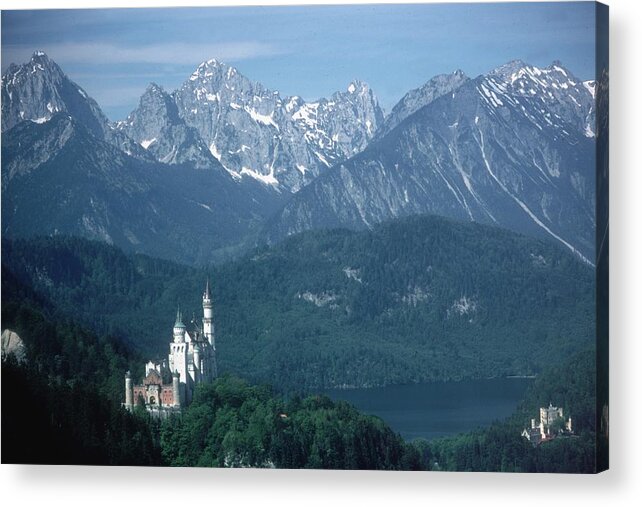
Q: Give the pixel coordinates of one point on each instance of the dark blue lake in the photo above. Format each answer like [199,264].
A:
[438,409]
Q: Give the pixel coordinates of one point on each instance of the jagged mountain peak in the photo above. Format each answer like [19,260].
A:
[155,89]
[509,148]
[154,103]
[551,97]
[558,65]
[418,98]
[39,67]
[214,70]
[357,86]
[38,64]
[280,142]
[40,56]
[156,125]
[507,69]
[40,61]
[37,89]
[516,69]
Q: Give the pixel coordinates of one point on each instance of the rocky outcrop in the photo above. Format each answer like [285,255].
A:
[13,345]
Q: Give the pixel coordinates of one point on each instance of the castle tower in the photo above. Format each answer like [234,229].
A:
[208,322]
[129,391]
[176,388]
[179,328]
[178,351]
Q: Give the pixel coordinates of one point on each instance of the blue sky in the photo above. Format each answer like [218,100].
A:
[310,51]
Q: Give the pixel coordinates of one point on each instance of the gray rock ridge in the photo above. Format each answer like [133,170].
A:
[157,127]
[36,90]
[284,142]
[513,148]
[57,178]
[420,97]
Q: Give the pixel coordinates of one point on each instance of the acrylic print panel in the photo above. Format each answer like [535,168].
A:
[345,237]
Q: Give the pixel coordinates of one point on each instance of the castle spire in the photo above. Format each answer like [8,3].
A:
[207,294]
[179,318]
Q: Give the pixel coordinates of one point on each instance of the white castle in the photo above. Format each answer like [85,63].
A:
[543,431]
[169,384]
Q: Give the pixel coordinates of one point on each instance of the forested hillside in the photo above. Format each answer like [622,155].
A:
[62,404]
[418,299]
[501,448]
[231,423]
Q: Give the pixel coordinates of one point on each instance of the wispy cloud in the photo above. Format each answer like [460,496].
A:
[106,53]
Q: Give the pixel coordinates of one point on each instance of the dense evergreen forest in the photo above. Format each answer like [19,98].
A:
[410,301]
[63,406]
[406,302]
[231,423]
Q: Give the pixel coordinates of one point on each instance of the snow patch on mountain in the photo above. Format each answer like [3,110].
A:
[267,179]
[146,143]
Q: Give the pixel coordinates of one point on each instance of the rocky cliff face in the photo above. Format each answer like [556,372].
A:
[38,89]
[12,345]
[57,178]
[420,97]
[149,185]
[513,148]
[283,142]
[158,127]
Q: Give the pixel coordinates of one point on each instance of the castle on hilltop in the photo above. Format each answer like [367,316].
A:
[551,424]
[169,384]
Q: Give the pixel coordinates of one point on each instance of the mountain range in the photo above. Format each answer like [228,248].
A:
[284,142]
[223,163]
[514,148]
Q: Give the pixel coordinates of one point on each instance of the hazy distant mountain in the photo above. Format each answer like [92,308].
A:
[514,148]
[57,178]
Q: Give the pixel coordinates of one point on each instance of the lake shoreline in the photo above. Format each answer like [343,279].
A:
[438,409]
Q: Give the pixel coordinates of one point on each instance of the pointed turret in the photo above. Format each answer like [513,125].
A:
[207,294]
[179,318]
[179,327]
